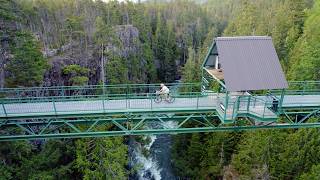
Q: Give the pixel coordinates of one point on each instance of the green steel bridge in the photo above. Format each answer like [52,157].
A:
[129,109]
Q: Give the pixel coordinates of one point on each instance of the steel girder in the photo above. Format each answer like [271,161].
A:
[135,124]
[300,115]
[106,125]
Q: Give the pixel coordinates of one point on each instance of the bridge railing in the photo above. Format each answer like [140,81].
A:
[99,103]
[300,88]
[245,104]
[93,90]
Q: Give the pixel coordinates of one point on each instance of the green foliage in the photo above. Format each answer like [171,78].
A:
[74,69]
[189,73]
[104,33]
[282,20]
[169,33]
[102,158]
[245,22]
[74,27]
[27,66]
[313,174]
[207,154]
[276,153]
[11,156]
[6,10]
[165,50]
[258,151]
[76,74]
[117,72]
[79,80]
[148,57]
[306,54]
[21,160]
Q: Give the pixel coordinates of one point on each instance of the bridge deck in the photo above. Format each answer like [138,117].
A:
[106,106]
[301,101]
[92,106]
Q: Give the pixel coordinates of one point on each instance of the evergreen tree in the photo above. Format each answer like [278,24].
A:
[165,50]
[189,74]
[306,54]
[117,72]
[76,75]
[102,158]
[104,37]
[28,65]
[313,174]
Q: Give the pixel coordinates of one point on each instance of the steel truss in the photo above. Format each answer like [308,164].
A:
[136,124]
[105,125]
[300,115]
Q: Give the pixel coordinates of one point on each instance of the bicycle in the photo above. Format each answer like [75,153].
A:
[160,97]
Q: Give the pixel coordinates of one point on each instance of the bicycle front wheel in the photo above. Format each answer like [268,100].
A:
[171,99]
[158,99]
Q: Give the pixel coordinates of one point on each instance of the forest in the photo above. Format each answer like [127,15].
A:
[87,42]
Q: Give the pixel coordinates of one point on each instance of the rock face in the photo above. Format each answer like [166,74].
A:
[129,37]
[5,27]
[4,57]
[84,58]
[88,57]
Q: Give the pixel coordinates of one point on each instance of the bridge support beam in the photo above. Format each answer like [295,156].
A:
[153,131]
[112,125]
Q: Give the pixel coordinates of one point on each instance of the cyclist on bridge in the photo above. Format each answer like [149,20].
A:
[164,91]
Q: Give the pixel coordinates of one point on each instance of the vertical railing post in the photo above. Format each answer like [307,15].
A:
[62,92]
[127,97]
[126,101]
[226,105]
[264,108]
[234,108]
[150,97]
[248,103]
[304,88]
[127,89]
[103,105]
[281,100]
[103,90]
[197,101]
[4,109]
[54,106]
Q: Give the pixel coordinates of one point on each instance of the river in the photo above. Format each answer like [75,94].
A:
[157,165]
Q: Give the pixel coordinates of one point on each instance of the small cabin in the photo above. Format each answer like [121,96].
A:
[245,63]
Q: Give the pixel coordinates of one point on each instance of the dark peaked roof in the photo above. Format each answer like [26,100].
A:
[250,63]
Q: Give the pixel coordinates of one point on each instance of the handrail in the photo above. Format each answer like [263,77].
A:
[97,86]
[98,97]
[94,90]
[57,107]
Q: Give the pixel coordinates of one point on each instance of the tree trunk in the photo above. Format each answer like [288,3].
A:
[102,72]
[2,65]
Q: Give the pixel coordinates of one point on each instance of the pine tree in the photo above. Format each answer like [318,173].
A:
[76,75]
[189,74]
[102,158]
[117,71]
[28,65]
[306,54]
[165,50]
[104,37]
